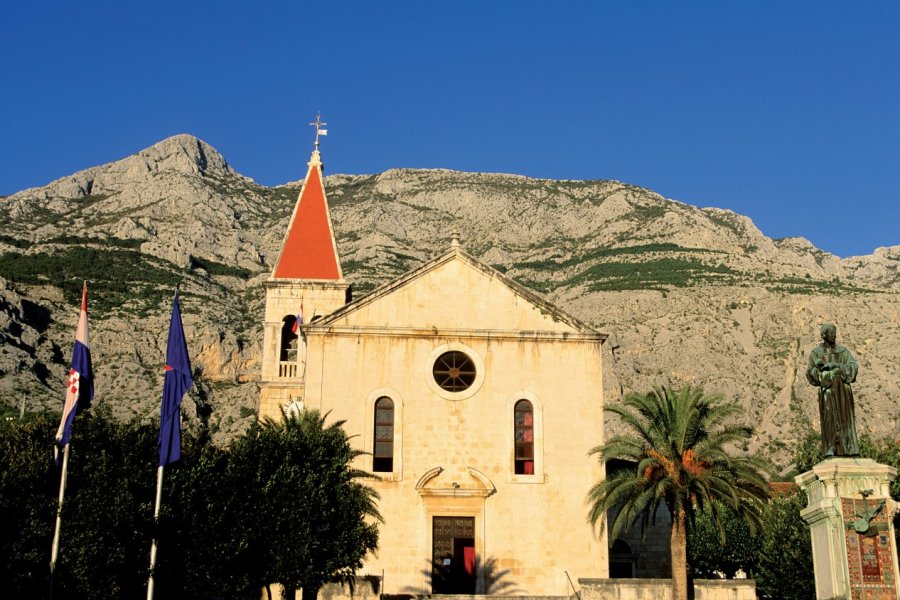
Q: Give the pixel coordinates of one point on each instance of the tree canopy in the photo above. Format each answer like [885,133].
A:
[320,521]
[677,442]
[784,567]
[281,504]
[710,552]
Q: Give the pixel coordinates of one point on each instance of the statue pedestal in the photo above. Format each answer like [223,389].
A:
[853,543]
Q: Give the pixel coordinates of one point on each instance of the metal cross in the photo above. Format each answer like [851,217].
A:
[319,124]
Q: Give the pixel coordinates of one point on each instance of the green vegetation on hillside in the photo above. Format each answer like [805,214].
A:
[116,277]
[216,268]
[280,200]
[801,285]
[644,212]
[15,242]
[81,240]
[656,274]
[659,274]
[359,189]
[726,220]
[606,252]
[662,266]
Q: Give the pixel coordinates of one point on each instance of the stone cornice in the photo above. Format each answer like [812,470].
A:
[315,329]
[338,284]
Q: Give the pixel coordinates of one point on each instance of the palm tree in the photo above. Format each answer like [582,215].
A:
[677,444]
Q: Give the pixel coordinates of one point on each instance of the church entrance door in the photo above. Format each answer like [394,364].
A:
[453,569]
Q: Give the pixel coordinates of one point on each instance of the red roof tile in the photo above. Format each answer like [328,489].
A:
[309,250]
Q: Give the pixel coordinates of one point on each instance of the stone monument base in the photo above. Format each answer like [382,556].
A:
[850,515]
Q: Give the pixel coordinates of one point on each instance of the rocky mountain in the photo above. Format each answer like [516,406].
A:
[687,294]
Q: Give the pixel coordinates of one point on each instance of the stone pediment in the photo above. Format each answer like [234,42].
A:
[455,292]
[460,482]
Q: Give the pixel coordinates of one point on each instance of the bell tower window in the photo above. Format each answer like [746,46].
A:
[288,339]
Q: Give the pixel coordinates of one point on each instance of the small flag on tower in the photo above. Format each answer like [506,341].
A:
[176,382]
[299,320]
[323,132]
[80,381]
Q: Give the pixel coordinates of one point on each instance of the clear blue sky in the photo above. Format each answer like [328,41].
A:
[788,112]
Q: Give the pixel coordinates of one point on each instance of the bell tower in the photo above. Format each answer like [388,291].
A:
[306,283]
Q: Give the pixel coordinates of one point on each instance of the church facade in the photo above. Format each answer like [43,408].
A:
[475,400]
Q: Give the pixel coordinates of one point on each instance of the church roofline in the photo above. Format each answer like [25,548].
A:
[309,250]
[383,290]
[321,327]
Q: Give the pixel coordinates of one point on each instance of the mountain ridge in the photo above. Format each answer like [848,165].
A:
[688,294]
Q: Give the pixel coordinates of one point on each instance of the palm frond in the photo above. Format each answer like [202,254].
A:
[678,441]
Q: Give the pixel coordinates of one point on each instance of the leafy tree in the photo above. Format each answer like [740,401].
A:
[886,452]
[784,569]
[709,551]
[282,504]
[107,517]
[808,452]
[206,528]
[319,520]
[677,440]
[104,540]
[27,504]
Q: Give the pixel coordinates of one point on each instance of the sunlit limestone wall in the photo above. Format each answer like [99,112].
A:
[454,451]
[280,385]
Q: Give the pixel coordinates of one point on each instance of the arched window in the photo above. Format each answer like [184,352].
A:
[524,438]
[288,339]
[383,451]
[621,560]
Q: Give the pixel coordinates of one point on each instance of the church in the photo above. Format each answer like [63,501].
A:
[475,401]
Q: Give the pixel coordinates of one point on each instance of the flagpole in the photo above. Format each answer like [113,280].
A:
[54,551]
[176,381]
[79,393]
[159,481]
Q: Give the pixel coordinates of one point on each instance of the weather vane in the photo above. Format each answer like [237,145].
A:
[319,124]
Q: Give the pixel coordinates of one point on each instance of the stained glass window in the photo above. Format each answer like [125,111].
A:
[524,438]
[383,451]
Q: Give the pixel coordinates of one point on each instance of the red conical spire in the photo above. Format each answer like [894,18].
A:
[309,250]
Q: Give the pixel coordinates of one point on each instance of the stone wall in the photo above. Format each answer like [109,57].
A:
[454,450]
[724,589]
[651,552]
[368,588]
[661,589]
[626,589]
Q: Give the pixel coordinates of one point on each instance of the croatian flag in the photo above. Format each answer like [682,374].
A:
[80,382]
[176,382]
[299,321]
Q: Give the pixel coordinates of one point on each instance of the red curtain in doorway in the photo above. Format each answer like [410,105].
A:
[469,558]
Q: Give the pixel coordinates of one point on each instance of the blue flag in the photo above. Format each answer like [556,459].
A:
[176,382]
[80,382]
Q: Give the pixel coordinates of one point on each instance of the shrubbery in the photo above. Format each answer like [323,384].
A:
[310,522]
[780,557]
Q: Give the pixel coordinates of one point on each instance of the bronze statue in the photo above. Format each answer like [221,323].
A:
[832,369]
